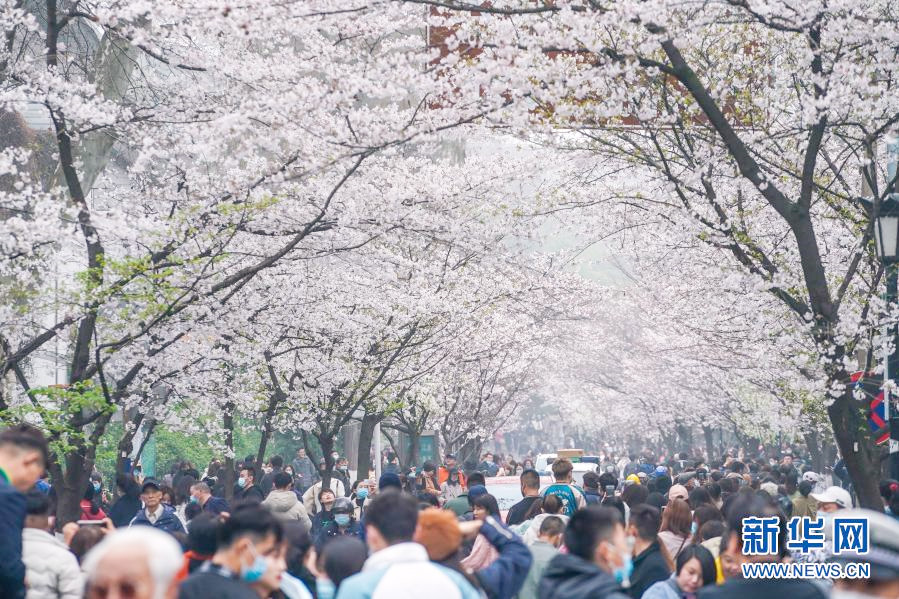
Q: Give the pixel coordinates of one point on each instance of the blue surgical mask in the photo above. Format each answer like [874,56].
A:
[693,527]
[96,486]
[362,494]
[342,519]
[193,499]
[241,482]
[324,588]
[623,573]
[256,570]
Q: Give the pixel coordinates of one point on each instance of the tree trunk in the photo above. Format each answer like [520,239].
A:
[326,442]
[470,451]
[126,443]
[814,450]
[414,448]
[855,450]
[309,453]
[228,478]
[267,426]
[708,433]
[366,435]
[74,483]
[684,438]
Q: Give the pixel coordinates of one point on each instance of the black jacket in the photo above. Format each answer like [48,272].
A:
[739,588]
[517,512]
[268,481]
[124,510]
[252,493]
[320,521]
[215,505]
[649,568]
[570,577]
[12,521]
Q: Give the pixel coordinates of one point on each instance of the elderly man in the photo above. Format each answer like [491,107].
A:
[201,494]
[140,562]
[155,513]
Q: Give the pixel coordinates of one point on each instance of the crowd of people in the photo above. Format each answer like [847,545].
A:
[638,527]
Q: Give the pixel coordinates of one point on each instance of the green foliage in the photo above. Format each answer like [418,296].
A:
[173,446]
[55,406]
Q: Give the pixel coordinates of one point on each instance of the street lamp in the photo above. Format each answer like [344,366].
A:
[886,239]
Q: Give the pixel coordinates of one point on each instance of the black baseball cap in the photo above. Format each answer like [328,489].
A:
[150,483]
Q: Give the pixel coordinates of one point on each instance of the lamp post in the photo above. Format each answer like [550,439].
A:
[886,237]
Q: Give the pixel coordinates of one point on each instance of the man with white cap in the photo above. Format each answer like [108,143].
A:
[833,499]
[883,558]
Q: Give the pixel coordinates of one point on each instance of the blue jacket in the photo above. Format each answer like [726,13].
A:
[215,505]
[504,578]
[167,522]
[12,521]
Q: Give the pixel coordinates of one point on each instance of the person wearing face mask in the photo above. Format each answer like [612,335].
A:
[342,472]
[248,562]
[883,558]
[651,560]
[695,568]
[598,561]
[201,494]
[97,484]
[52,570]
[249,490]
[343,524]
[359,497]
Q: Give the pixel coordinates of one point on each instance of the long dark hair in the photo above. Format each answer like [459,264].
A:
[93,497]
[705,558]
[488,502]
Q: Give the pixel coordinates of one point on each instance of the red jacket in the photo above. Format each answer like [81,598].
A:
[86,512]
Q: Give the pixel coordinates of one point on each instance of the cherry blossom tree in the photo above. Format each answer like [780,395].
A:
[758,119]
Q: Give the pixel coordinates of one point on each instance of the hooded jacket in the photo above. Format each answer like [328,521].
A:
[570,577]
[168,521]
[403,571]
[53,571]
[285,506]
